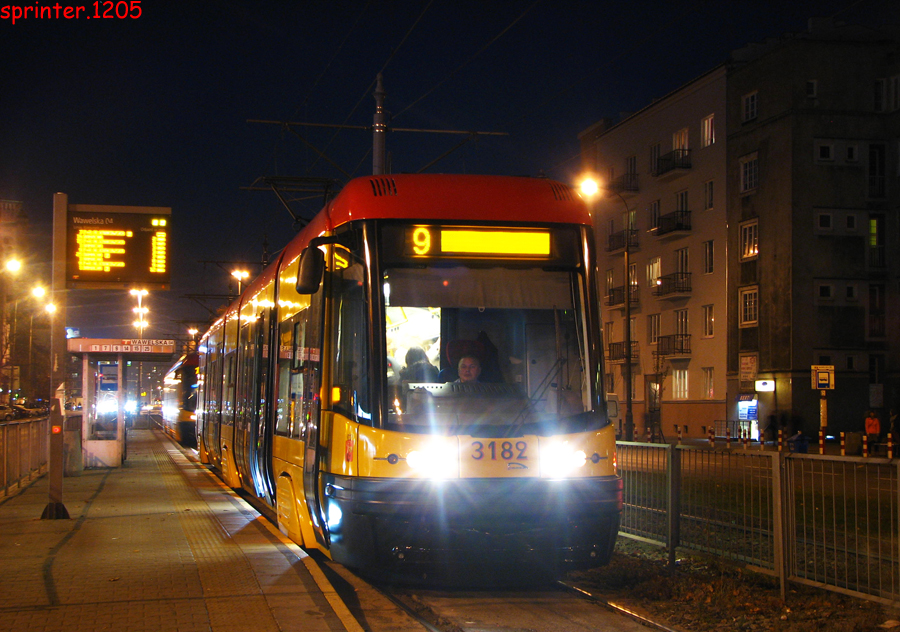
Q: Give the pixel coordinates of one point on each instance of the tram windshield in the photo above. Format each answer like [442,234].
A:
[521,328]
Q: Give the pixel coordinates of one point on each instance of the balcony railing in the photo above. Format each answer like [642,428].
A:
[673,162]
[676,283]
[625,183]
[675,344]
[616,296]
[877,257]
[617,241]
[679,221]
[617,351]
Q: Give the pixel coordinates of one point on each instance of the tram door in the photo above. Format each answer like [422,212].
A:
[308,338]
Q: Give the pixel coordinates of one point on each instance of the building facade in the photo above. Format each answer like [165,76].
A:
[762,201]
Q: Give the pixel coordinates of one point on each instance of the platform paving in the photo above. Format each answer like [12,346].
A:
[160,544]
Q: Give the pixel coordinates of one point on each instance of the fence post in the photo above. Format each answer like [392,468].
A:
[782,519]
[674,502]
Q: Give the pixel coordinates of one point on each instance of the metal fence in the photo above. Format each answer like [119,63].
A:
[822,520]
[23,451]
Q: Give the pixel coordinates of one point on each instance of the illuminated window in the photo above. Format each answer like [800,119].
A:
[680,384]
[653,329]
[709,321]
[708,131]
[708,257]
[709,391]
[750,239]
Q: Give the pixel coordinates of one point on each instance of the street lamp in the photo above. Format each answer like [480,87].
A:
[591,187]
[241,276]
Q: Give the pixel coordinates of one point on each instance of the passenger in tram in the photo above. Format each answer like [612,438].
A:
[418,368]
[469,369]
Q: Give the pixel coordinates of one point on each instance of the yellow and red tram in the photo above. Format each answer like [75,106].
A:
[306,405]
[179,400]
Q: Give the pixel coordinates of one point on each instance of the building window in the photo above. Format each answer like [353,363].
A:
[812,88]
[709,321]
[824,151]
[708,257]
[654,214]
[653,329]
[682,325]
[750,240]
[823,221]
[708,131]
[680,384]
[824,291]
[877,171]
[877,254]
[749,103]
[681,200]
[631,165]
[877,328]
[680,139]
[709,391]
[610,280]
[748,301]
[852,153]
[851,363]
[682,260]
[654,158]
[851,222]
[708,199]
[608,333]
[749,173]
[880,94]
[851,292]
[894,93]
[653,272]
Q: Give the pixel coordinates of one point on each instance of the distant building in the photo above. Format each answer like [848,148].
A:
[765,200]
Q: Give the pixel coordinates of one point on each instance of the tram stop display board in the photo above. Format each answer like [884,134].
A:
[117,247]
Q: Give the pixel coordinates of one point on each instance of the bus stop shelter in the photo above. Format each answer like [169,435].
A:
[100,439]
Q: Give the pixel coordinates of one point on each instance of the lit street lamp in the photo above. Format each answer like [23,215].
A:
[590,188]
[241,276]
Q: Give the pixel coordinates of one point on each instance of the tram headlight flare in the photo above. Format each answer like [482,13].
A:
[437,460]
[559,459]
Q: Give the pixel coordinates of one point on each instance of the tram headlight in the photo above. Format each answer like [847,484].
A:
[436,460]
[560,459]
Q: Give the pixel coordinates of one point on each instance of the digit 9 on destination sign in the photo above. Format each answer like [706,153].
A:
[467,241]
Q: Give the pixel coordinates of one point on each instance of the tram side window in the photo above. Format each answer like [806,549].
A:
[351,344]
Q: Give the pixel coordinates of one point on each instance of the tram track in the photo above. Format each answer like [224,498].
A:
[556,607]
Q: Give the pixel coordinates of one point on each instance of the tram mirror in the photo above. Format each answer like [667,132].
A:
[310,270]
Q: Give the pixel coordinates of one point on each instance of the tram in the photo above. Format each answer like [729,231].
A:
[179,400]
[306,406]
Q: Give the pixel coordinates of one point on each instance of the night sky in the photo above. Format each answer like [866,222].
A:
[154,111]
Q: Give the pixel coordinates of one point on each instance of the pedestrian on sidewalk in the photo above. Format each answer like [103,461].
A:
[873,428]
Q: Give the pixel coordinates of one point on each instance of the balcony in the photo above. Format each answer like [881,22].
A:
[676,285]
[673,224]
[673,164]
[625,185]
[617,352]
[674,345]
[616,296]
[617,241]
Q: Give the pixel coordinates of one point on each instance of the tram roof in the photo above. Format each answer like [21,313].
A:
[435,197]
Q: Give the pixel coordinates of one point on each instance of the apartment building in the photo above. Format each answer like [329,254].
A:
[759,204]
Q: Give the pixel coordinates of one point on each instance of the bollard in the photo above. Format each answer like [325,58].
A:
[712,437]
[678,429]
[746,438]
[649,438]
[843,444]
[890,446]
[865,438]
[780,439]
[822,441]
[728,438]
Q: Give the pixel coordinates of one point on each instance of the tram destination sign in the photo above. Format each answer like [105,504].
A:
[117,247]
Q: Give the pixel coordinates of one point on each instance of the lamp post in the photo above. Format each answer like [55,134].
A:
[241,276]
[11,267]
[140,323]
[590,188]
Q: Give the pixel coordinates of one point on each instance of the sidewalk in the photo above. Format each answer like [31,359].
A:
[160,544]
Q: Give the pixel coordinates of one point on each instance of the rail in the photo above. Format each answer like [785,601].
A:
[24,450]
[821,520]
